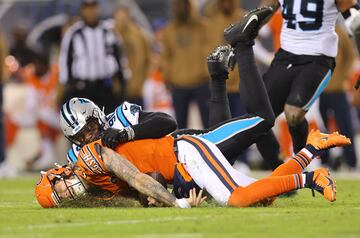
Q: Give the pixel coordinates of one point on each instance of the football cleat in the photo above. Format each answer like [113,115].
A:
[323,141]
[220,60]
[320,181]
[247,29]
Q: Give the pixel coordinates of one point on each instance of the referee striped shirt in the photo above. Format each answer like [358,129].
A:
[91,53]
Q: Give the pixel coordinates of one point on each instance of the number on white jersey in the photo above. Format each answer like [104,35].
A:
[312,12]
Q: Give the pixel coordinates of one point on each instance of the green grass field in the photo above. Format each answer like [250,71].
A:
[298,216]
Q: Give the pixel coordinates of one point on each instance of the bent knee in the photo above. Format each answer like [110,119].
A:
[294,115]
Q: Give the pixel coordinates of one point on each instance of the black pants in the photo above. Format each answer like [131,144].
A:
[99,92]
[296,80]
[181,101]
[338,104]
[234,135]
[237,109]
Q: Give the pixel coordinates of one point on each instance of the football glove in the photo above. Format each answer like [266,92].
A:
[113,137]
[220,60]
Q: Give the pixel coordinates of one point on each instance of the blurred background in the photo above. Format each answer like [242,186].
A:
[152,59]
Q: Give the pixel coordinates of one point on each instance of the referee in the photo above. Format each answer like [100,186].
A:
[91,60]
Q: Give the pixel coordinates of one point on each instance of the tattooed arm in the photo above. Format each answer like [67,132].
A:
[143,183]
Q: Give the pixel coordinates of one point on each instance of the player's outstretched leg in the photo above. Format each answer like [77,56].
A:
[316,143]
[241,36]
[288,177]
[218,62]
[261,117]
[270,187]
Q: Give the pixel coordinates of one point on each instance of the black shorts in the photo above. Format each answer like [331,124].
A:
[297,80]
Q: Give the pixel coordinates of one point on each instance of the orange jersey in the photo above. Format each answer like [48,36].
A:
[150,155]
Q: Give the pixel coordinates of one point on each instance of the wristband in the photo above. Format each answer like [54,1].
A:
[182,203]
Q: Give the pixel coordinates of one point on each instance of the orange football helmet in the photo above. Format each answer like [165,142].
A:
[45,191]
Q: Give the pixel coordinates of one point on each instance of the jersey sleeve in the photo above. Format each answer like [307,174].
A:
[89,158]
[92,169]
[128,114]
[72,154]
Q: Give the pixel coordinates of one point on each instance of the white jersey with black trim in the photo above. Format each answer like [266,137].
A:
[309,27]
[127,114]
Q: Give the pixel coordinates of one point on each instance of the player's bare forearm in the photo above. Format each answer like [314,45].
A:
[143,183]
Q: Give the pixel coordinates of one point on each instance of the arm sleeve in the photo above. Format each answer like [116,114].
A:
[154,125]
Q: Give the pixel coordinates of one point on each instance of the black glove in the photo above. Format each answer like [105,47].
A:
[113,137]
[357,84]
[220,60]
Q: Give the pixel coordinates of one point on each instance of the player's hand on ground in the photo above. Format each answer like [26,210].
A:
[194,199]
[112,137]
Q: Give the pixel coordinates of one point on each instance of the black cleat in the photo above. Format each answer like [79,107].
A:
[246,30]
[220,60]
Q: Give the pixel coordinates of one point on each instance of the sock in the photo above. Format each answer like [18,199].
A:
[244,55]
[219,102]
[244,45]
[269,149]
[303,180]
[264,189]
[297,163]
[218,90]
[299,135]
[308,179]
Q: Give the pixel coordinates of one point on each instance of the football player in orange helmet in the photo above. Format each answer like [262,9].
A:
[66,183]
[49,191]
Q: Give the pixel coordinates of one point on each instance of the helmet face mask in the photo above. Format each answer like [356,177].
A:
[72,187]
[75,117]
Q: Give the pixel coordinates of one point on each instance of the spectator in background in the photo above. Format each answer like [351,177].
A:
[137,51]
[221,13]
[157,97]
[183,59]
[38,110]
[92,64]
[3,53]
[42,79]
[334,101]
[228,12]
[19,49]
